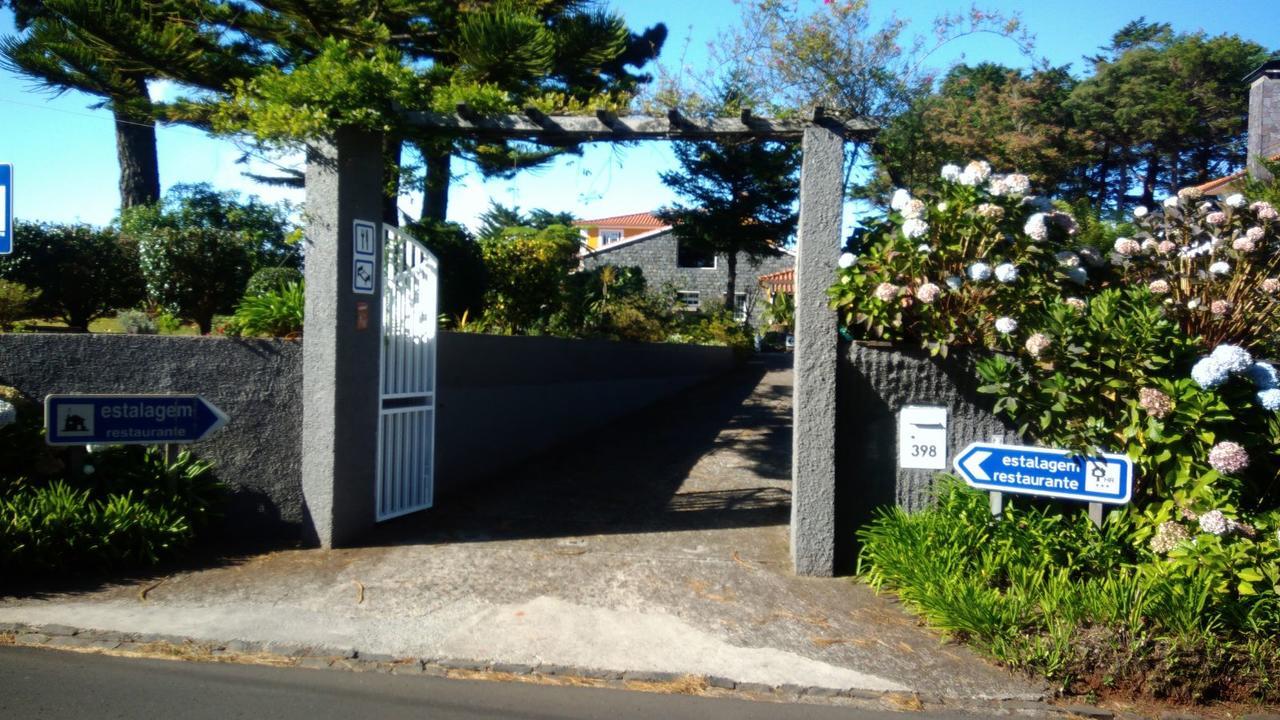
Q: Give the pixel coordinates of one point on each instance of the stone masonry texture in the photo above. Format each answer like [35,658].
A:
[656,256]
[1264,118]
[255,382]
[875,383]
[502,400]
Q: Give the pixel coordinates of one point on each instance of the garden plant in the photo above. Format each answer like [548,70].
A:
[1159,345]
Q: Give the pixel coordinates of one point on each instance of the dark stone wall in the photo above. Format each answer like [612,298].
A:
[656,256]
[255,382]
[501,400]
[875,382]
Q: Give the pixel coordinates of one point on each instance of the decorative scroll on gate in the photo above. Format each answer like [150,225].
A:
[406,423]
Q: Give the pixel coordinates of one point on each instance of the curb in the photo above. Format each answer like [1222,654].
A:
[154,645]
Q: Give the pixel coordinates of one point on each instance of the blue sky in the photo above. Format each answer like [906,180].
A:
[65,162]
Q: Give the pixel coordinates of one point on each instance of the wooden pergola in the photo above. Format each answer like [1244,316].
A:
[344,187]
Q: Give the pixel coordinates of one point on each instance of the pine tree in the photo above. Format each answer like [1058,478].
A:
[742,199]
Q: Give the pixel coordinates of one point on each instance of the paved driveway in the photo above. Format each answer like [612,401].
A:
[655,545]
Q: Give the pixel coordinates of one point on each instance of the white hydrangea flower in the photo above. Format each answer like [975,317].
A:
[1140,212]
[900,199]
[1214,523]
[924,249]
[847,260]
[954,282]
[1006,272]
[1236,200]
[1171,202]
[975,173]
[1037,228]
[942,206]
[1006,325]
[913,209]
[1222,267]
[979,272]
[1017,184]
[951,173]
[914,228]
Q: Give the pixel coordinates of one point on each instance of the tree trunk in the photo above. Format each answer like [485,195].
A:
[392,148]
[730,291]
[136,153]
[435,201]
[1149,182]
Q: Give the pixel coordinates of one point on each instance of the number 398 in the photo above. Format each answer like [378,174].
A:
[924,451]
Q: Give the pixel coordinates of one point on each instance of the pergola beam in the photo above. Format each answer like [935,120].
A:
[605,126]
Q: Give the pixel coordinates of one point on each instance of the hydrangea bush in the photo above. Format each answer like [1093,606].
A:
[1161,346]
[958,266]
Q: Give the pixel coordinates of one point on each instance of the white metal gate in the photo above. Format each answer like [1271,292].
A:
[407,418]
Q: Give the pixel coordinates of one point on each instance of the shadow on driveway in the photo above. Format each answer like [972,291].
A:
[716,456]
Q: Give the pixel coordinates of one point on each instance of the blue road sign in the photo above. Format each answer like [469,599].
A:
[1103,478]
[129,419]
[6,209]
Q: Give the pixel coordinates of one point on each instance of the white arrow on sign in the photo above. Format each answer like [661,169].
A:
[973,464]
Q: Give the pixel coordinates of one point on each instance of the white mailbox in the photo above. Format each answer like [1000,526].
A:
[922,437]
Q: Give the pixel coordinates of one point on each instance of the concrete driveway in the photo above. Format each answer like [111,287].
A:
[652,547]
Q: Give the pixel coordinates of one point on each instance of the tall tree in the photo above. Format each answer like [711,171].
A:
[493,55]
[113,51]
[1167,110]
[742,200]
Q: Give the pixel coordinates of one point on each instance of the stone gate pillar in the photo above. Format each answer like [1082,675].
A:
[813,472]
[341,339]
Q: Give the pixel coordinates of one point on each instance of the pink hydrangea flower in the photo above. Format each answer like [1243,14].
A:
[1159,287]
[1075,303]
[1127,247]
[928,292]
[1220,307]
[1216,218]
[1243,244]
[886,292]
[1255,234]
[1228,457]
[1264,210]
[1037,344]
[1271,286]
[1156,403]
[1167,247]
[1215,523]
[1169,535]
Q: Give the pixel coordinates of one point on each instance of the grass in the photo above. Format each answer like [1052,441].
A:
[1042,591]
[101,325]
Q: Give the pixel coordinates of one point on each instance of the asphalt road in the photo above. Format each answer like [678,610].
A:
[37,683]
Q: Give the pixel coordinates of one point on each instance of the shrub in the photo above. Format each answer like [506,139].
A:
[942,268]
[527,270]
[276,313]
[271,279]
[15,303]
[82,273]
[198,249]
[136,322]
[462,282]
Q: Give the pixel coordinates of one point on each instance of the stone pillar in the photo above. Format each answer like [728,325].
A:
[1264,117]
[813,471]
[339,357]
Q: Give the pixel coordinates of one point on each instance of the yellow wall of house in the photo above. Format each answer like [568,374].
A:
[593,233]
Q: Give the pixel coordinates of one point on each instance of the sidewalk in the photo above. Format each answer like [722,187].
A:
[656,548]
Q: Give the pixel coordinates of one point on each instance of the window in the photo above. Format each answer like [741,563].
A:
[740,307]
[687,300]
[609,237]
[694,257]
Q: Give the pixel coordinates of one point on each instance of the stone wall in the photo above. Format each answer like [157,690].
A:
[501,400]
[256,382]
[657,257]
[875,382]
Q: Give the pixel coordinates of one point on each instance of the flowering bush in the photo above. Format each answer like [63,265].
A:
[957,267]
[1161,348]
[1216,266]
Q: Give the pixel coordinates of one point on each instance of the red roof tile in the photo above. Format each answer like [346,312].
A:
[639,220]
[781,281]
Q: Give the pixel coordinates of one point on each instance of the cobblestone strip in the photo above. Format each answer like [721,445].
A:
[352,660]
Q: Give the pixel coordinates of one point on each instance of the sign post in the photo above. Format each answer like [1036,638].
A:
[1096,479]
[129,419]
[6,209]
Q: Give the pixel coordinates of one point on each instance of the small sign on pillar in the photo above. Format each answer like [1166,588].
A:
[364,259]
[922,437]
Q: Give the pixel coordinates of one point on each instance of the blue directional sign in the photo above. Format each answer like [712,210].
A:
[1103,478]
[129,419]
[6,209]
